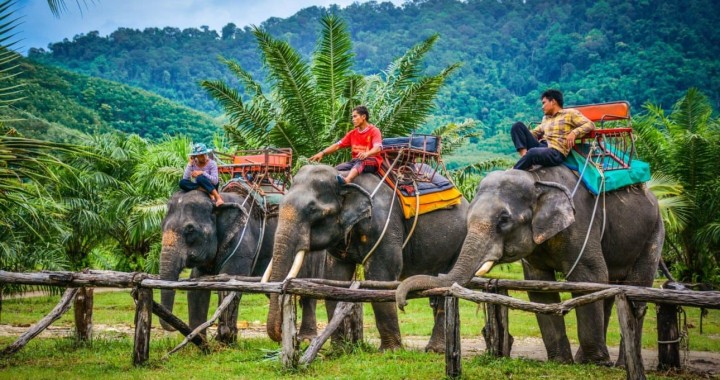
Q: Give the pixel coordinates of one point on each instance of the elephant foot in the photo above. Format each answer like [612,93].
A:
[394,345]
[435,347]
[306,335]
[601,358]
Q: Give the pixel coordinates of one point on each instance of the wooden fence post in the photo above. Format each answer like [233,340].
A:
[143,322]
[453,352]
[629,330]
[290,345]
[83,312]
[498,341]
[667,331]
[227,323]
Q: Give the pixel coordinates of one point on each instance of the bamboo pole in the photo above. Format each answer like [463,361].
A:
[59,309]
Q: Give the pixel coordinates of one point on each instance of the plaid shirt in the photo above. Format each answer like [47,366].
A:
[554,129]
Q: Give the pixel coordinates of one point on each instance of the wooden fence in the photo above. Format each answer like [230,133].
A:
[495,332]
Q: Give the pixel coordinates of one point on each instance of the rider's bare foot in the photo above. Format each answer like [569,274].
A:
[219,202]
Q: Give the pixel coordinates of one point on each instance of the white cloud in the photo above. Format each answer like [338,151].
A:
[40,27]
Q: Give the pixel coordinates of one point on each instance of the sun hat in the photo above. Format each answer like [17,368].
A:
[198,149]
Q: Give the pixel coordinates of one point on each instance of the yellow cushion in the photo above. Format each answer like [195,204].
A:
[430,202]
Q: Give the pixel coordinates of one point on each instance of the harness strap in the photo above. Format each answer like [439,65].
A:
[417,213]
[587,235]
[387,173]
[387,222]
[242,235]
[256,255]
[587,159]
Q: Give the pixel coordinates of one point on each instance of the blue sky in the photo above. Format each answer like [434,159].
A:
[39,27]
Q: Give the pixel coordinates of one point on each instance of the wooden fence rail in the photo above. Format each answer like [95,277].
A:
[365,291]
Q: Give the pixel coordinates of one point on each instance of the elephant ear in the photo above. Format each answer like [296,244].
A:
[230,220]
[554,210]
[356,206]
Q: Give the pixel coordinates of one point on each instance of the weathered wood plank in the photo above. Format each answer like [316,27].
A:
[224,305]
[143,324]
[83,312]
[558,309]
[496,331]
[668,337]
[290,345]
[453,349]
[59,309]
[227,331]
[342,310]
[165,314]
[629,330]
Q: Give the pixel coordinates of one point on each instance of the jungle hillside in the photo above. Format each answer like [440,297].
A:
[510,51]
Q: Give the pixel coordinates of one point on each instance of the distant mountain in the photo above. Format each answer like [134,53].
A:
[61,105]
[593,50]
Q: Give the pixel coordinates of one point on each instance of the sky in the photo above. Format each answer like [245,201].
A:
[39,27]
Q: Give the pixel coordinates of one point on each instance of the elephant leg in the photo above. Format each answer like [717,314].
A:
[386,266]
[552,328]
[308,327]
[198,303]
[343,271]
[437,340]
[591,333]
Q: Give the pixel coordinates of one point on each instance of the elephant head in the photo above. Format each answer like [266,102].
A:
[193,232]
[316,214]
[511,214]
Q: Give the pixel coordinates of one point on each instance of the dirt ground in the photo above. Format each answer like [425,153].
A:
[700,363]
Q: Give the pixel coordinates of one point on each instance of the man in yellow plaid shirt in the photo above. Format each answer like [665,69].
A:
[550,142]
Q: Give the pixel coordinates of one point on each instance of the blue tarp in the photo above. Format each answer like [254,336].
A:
[592,176]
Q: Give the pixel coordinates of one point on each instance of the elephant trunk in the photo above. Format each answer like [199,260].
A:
[477,252]
[172,263]
[289,239]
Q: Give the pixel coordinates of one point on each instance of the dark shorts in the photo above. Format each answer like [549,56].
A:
[368,165]
[200,182]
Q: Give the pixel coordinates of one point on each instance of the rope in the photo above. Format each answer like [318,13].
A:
[587,159]
[387,222]
[587,235]
[242,235]
[256,255]
[417,213]
[386,174]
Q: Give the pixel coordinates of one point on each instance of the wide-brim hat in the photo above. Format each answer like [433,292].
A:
[198,149]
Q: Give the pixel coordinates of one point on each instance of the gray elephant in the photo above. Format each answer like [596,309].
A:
[530,216]
[205,238]
[319,214]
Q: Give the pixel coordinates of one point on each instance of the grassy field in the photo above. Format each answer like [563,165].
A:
[109,356]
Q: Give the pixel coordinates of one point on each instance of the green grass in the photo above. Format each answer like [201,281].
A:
[109,356]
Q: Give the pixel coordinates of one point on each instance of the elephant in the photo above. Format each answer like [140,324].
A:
[533,217]
[198,235]
[318,213]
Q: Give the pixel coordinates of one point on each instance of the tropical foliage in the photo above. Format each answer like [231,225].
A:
[310,103]
[684,147]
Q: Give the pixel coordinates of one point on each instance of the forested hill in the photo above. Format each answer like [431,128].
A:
[57,103]
[595,51]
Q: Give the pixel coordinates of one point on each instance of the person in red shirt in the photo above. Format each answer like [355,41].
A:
[365,141]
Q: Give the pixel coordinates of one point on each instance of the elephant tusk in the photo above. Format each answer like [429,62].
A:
[296,265]
[484,268]
[266,275]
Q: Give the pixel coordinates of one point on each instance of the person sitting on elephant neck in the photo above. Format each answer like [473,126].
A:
[201,173]
[550,142]
[365,142]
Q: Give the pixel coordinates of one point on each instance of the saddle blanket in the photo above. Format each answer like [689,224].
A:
[435,191]
[593,174]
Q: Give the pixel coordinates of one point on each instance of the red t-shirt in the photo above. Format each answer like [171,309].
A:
[362,141]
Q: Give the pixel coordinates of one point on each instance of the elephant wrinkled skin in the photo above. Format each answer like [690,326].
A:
[317,213]
[200,236]
[531,216]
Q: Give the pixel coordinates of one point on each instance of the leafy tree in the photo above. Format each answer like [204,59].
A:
[310,103]
[685,146]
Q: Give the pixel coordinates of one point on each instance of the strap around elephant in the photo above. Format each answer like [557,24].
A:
[387,222]
[242,235]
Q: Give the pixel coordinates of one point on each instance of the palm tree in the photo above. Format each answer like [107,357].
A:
[310,104]
[684,146]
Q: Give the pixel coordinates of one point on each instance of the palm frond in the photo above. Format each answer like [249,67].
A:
[331,65]
[675,208]
[293,83]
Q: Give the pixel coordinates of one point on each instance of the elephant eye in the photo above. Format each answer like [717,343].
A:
[504,221]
